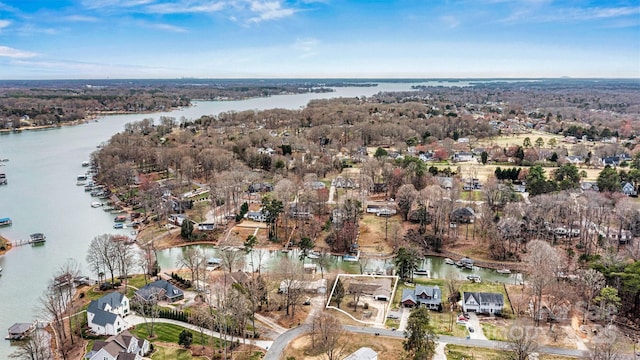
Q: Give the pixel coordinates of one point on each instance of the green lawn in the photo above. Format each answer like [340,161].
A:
[493,332]
[459,352]
[170,333]
[162,353]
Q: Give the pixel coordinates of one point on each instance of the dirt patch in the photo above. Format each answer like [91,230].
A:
[387,348]
[375,229]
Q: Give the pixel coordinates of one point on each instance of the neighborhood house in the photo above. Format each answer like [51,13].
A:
[429,296]
[161,290]
[105,315]
[482,303]
[121,347]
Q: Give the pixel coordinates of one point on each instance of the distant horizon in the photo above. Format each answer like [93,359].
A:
[168,39]
[360,79]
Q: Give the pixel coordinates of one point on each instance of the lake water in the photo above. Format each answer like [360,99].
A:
[42,195]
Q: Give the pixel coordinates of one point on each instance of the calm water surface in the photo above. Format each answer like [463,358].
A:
[42,196]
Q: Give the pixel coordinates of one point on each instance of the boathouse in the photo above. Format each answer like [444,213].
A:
[20,331]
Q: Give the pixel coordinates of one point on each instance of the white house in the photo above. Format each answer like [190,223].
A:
[121,347]
[364,353]
[256,216]
[482,303]
[105,316]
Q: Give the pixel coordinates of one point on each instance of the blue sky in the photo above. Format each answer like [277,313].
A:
[67,39]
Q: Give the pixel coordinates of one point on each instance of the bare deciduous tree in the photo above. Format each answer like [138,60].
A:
[36,347]
[327,336]
[543,263]
[522,341]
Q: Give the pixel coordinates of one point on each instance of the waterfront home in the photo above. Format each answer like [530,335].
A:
[256,216]
[105,315]
[378,288]
[121,347]
[429,296]
[161,290]
[482,302]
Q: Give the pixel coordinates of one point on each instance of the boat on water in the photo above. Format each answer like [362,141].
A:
[313,255]
[37,238]
[96,204]
[85,163]
[421,272]
[118,225]
[81,179]
[503,271]
[449,261]
[475,278]
[5,221]
[120,218]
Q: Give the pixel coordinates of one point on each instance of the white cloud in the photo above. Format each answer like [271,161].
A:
[185,7]
[97,4]
[4,24]
[6,51]
[167,27]
[559,14]
[268,10]
[81,18]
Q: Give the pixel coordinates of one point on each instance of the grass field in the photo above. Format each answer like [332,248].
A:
[458,352]
[170,353]
[170,333]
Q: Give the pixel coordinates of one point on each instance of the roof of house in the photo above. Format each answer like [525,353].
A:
[20,328]
[364,353]
[117,346]
[126,356]
[483,297]
[101,317]
[152,289]
[433,292]
[113,299]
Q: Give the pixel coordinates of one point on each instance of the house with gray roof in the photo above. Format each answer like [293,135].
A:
[482,302]
[121,347]
[429,296]
[105,316]
[161,290]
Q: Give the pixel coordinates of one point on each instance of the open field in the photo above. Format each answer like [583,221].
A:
[173,353]
[458,352]
[372,233]
[508,140]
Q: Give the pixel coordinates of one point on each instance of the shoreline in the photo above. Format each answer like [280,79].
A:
[8,245]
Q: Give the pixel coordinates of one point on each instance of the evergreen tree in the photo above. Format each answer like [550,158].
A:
[185,338]
[609,180]
[186,229]
[420,338]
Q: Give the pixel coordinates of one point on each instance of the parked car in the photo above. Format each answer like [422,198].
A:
[471,329]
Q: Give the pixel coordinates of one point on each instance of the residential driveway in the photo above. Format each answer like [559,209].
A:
[404,316]
[439,353]
[474,322]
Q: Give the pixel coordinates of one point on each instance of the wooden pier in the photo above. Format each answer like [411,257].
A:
[34,239]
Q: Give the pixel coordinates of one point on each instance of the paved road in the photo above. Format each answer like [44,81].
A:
[276,349]
[467,342]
